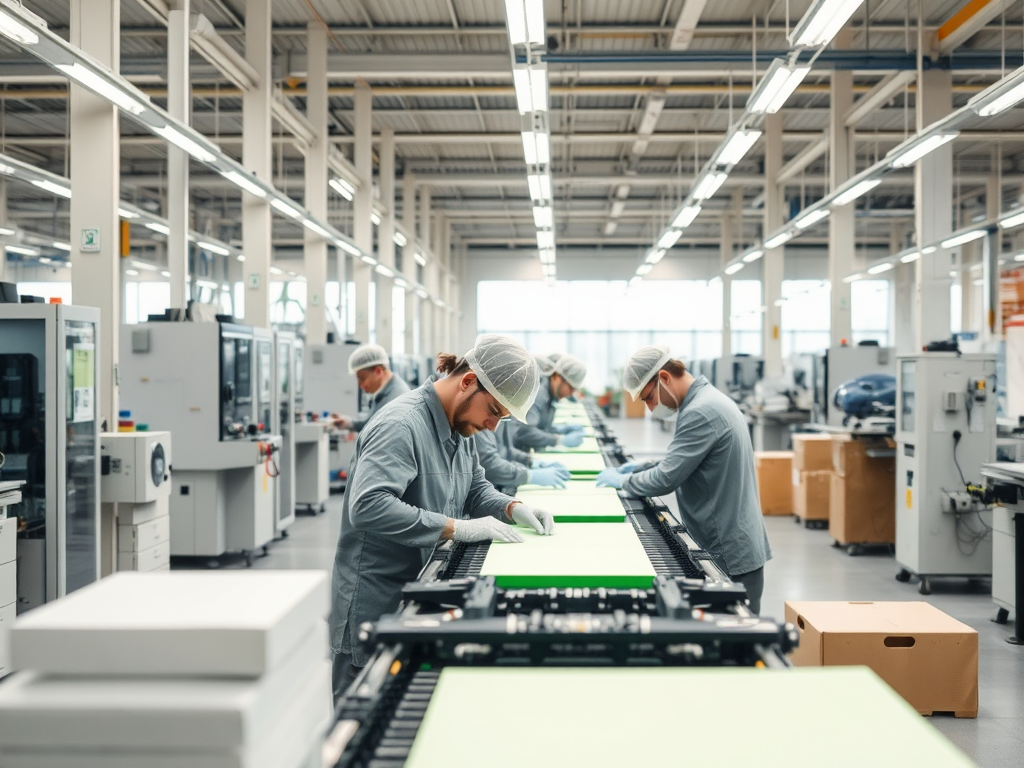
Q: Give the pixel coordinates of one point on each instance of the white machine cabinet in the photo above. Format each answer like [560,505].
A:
[1007,550]
[285,382]
[945,428]
[330,388]
[8,575]
[312,465]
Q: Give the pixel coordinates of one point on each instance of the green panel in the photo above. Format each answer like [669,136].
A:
[841,717]
[589,445]
[589,505]
[576,485]
[582,463]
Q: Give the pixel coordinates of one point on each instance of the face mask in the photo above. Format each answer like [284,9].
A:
[662,411]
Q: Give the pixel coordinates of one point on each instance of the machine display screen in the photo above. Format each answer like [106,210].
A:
[264,384]
[236,385]
[908,376]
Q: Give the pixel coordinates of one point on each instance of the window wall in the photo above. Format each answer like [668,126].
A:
[747,317]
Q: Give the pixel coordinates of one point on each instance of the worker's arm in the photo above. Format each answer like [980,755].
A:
[694,439]
[497,470]
[533,434]
[484,499]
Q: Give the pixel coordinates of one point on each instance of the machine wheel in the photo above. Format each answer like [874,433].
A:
[837,545]
[250,558]
[266,550]
[903,576]
[854,550]
[925,588]
[797,520]
[284,534]
[323,508]
[1001,616]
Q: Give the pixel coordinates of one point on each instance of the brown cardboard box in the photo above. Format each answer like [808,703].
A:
[812,452]
[862,505]
[929,658]
[633,410]
[850,454]
[810,495]
[774,484]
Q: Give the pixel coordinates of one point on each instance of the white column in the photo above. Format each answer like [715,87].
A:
[4,218]
[385,240]
[315,247]
[179,105]
[841,244]
[772,260]
[256,156]
[363,205]
[412,342]
[992,320]
[933,209]
[725,255]
[427,339]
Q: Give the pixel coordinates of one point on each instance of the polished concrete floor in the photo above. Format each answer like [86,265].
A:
[805,567]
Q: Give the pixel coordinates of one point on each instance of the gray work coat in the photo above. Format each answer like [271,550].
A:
[395,387]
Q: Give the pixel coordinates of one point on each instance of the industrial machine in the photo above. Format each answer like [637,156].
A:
[781,403]
[330,388]
[212,386]
[136,476]
[288,416]
[736,375]
[312,446]
[49,436]
[945,431]
[841,364]
[1005,482]
[868,402]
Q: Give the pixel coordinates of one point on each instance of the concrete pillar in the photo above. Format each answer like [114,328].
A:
[841,234]
[256,156]
[725,256]
[4,218]
[773,259]
[179,105]
[412,345]
[315,247]
[428,341]
[992,319]
[933,206]
[363,205]
[385,241]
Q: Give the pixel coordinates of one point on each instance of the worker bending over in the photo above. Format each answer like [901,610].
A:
[369,363]
[507,467]
[415,480]
[539,431]
[709,464]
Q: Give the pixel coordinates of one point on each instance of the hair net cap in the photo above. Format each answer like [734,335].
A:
[642,367]
[570,368]
[544,364]
[368,356]
[507,371]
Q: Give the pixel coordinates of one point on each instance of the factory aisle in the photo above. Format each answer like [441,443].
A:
[805,567]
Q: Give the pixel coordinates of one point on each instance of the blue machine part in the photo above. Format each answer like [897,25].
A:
[870,395]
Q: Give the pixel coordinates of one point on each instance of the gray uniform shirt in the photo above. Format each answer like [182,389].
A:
[394,388]
[710,466]
[410,472]
[504,465]
[534,433]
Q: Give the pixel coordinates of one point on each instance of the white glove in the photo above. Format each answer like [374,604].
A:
[542,522]
[485,529]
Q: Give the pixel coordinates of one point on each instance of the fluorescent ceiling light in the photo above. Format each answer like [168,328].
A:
[656,255]
[543,217]
[708,185]
[643,269]
[422,293]
[716,280]
[1000,96]
[777,240]
[915,152]
[61,246]
[516,21]
[753,256]
[285,208]
[7,170]
[126,214]
[22,250]
[343,188]
[165,273]
[858,189]
[545,239]
[907,259]
[380,269]
[312,226]
[539,89]
[1013,220]
[545,186]
[732,269]
[108,90]
[16,30]
[809,219]
[368,259]
[853,278]
[44,260]
[375,218]
[670,238]
[348,247]
[276,271]
[399,239]
[49,186]
[617,208]
[529,147]
[823,21]
[535,20]
[880,268]
[419,258]
[521,81]
[966,237]
[776,86]
[686,216]
[132,272]
[533,181]
[737,146]
[543,148]
[143,265]
[6,232]
[240,257]
[213,248]
[547,255]
[928,249]
[161,228]
[240,180]
[180,140]
[401,282]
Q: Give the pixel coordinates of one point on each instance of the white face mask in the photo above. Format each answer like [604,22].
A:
[662,411]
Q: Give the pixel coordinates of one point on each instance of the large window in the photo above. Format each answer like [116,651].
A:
[870,307]
[602,322]
[806,310]
[46,291]
[746,317]
[144,299]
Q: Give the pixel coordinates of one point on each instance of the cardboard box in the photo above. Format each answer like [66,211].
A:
[929,658]
[812,452]
[633,409]
[862,505]
[811,495]
[774,483]
[850,454]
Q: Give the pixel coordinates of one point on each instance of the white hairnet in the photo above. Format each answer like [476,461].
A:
[642,367]
[507,371]
[544,364]
[368,356]
[571,368]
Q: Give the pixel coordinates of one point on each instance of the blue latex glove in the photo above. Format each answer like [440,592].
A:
[562,471]
[565,429]
[549,476]
[571,440]
[610,478]
[628,468]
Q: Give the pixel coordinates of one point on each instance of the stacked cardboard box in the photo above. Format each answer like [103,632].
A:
[929,658]
[172,669]
[812,471]
[862,505]
[774,481]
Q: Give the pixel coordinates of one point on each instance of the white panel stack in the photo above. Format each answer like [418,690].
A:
[8,583]
[168,669]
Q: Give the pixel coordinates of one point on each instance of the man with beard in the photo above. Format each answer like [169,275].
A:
[415,480]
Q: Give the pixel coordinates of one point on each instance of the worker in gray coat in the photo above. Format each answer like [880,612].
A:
[709,464]
[415,481]
[567,375]
[372,368]
[507,467]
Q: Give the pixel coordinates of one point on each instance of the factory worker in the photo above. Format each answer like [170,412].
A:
[370,365]
[709,464]
[415,480]
[507,467]
[567,375]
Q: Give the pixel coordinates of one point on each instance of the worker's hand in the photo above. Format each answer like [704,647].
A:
[340,422]
[564,429]
[571,440]
[542,522]
[628,468]
[549,476]
[610,478]
[537,462]
[485,529]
